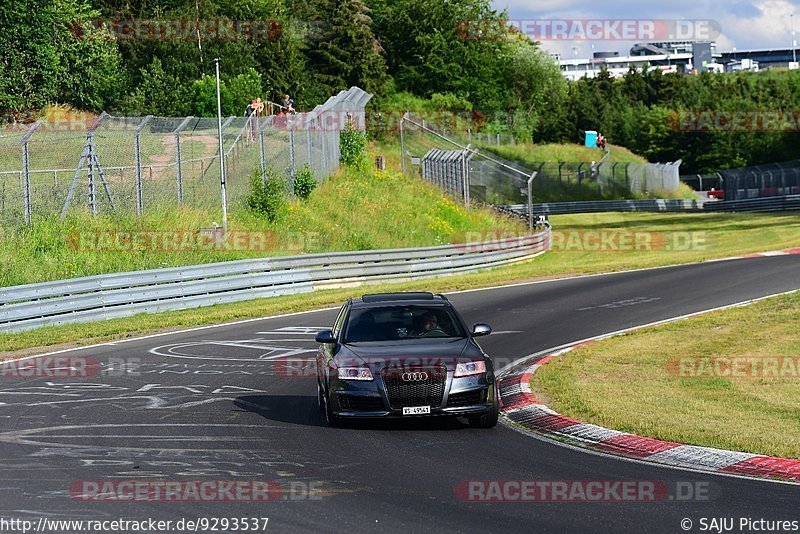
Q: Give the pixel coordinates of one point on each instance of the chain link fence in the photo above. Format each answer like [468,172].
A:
[450,161]
[455,165]
[141,164]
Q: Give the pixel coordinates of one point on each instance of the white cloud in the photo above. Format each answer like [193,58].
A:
[745,23]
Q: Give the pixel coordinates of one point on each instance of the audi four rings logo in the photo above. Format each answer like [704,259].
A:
[415,376]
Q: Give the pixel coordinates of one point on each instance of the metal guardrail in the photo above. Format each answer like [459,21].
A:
[599,206]
[125,294]
[763,204]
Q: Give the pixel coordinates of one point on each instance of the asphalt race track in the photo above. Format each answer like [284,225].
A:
[238,402]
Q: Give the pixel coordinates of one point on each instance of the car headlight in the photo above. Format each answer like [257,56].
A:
[470,368]
[354,373]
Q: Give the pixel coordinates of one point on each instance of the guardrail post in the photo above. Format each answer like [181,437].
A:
[137,153]
[26,170]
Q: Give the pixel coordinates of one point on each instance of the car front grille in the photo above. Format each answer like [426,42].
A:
[418,386]
[467,398]
[361,403]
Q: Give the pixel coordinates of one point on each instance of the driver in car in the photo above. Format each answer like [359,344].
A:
[430,326]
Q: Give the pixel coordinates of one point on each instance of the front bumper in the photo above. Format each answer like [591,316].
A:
[466,396]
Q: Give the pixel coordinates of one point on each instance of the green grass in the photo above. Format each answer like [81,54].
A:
[353,210]
[534,154]
[646,382]
[722,235]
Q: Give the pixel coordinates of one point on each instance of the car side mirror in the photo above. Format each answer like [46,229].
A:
[326,336]
[481,329]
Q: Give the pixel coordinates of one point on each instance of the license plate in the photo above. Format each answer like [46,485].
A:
[416,410]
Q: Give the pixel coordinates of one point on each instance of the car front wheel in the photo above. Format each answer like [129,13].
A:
[488,419]
[330,417]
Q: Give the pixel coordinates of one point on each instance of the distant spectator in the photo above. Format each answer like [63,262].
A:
[250,109]
[601,141]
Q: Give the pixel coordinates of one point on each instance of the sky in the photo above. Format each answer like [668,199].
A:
[743,24]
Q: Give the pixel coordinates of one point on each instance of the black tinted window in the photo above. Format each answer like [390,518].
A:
[402,322]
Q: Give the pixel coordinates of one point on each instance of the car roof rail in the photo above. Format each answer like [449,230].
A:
[381,297]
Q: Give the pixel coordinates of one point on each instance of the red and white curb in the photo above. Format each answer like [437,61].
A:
[522,408]
[784,252]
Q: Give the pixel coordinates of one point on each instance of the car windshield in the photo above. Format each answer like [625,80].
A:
[402,322]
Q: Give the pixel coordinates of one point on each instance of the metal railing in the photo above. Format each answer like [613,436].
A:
[764,204]
[125,294]
[142,164]
[599,206]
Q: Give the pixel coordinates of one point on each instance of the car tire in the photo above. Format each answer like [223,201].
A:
[489,419]
[330,417]
[320,397]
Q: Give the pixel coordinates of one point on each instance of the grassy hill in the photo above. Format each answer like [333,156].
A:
[353,210]
[531,153]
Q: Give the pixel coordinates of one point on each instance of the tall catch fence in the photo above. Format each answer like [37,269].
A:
[143,164]
[478,174]
[768,180]
[458,166]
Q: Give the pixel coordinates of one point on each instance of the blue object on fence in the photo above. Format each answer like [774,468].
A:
[591,138]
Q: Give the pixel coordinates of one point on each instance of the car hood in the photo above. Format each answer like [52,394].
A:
[411,353]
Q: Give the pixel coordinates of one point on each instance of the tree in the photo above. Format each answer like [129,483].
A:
[49,55]
[348,52]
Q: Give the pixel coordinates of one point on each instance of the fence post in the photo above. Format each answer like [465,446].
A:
[465,173]
[26,170]
[291,156]
[627,183]
[178,168]
[324,145]
[530,200]
[92,188]
[402,144]
[262,152]
[308,146]
[137,152]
